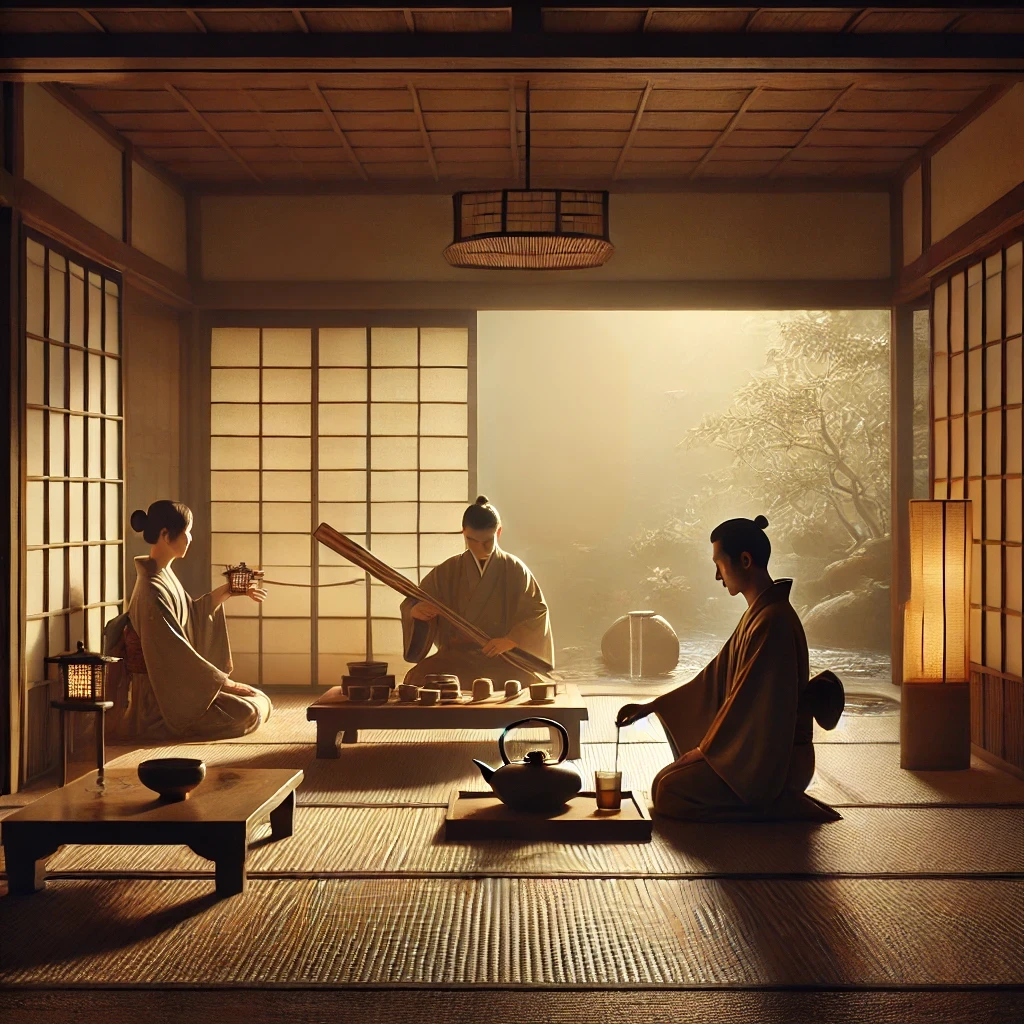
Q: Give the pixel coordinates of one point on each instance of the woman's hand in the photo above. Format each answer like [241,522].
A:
[499,645]
[424,611]
[631,713]
[238,689]
[256,593]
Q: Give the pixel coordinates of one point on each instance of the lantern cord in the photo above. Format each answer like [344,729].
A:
[310,586]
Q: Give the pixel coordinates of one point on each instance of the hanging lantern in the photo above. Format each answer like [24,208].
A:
[935,723]
[530,228]
[240,577]
[82,673]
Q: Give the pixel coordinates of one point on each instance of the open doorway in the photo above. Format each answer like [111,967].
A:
[613,442]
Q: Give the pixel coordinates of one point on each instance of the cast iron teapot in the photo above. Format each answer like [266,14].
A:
[535,783]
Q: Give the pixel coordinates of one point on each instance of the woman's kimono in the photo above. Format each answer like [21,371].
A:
[176,660]
[740,726]
[502,601]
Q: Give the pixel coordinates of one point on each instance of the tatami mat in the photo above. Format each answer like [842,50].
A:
[396,840]
[555,1005]
[411,773]
[518,931]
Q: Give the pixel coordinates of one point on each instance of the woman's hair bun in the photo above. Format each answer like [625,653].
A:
[138,520]
[482,500]
[761,522]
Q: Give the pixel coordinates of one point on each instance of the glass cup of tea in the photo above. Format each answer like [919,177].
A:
[608,790]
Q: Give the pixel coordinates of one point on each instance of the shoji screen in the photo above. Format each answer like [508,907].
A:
[366,428]
[73,532]
[976,447]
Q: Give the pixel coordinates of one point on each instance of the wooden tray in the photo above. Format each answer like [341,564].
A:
[483,816]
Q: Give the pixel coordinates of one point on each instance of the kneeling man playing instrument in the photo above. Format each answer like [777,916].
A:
[740,731]
[493,590]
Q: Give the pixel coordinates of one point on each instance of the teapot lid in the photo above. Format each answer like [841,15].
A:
[535,757]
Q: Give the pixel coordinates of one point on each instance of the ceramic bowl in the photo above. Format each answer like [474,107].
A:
[430,696]
[408,692]
[380,692]
[512,687]
[358,692]
[482,688]
[172,777]
[542,691]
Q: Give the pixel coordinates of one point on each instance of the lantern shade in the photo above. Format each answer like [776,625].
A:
[240,576]
[530,229]
[937,616]
[82,674]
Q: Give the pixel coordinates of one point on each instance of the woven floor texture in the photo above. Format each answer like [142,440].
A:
[920,885]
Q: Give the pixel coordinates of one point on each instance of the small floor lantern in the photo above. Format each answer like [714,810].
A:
[240,577]
[935,723]
[82,677]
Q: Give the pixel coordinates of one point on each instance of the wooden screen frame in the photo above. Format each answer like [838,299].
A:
[196,405]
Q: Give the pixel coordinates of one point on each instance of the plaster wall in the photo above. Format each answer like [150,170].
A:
[71,162]
[980,165]
[912,236]
[152,383]
[658,237]
[158,220]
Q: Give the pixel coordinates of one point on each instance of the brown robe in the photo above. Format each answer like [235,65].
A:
[740,735]
[174,690]
[504,601]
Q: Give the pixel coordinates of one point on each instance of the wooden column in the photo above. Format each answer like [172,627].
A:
[901,471]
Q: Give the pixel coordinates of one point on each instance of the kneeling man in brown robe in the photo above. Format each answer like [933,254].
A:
[740,731]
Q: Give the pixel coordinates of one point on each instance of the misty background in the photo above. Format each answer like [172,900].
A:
[613,442]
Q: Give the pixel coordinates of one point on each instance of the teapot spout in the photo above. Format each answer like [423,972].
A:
[485,770]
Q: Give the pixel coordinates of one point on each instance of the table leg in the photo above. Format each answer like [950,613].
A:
[326,740]
[26,867]
[228,853]
[350,736]
[101,754]
[63,778]
[282,817]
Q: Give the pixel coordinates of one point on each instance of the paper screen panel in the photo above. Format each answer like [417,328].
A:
[94,451]
[393,486]
[342,636]
[76,304]
[285,669]
[974,466]
[345,517]
[93,562]
[387,638]
[56,526]
[1013,439]
[111,320]
[956,385]
[994,376]
[342,385]
[394,386]
[241,420]
[1014,290]
[235,346]
[234,516]
[56,396]
[75,397]
[444,486]
[444,385]
[232,548]
[234,453]
[285,636]
[288,420]
[445,420]
[55,465]
[35,389]
[974,380]
[342,453]
[342,346]
[291,453]
[441,517]
[393,346]
[286,601]
[385,603]
[394,419]
[342,419]
[286,549]
[95,395]
[229,486]
[286,385]
[34,513]
[113,515]
[284,485]
[341,486]
[35,293]
[993,641]
[111,387]
[234,385]
[398,550]
[395,517]
[286,346]
[975,291]
[1013,645]
[34,582]
[346,601]
[436,547]
[243,633]
[444,452]
[956,313]
[994,298]
[1014,571]
[393,453]
[76,576]
[76,515]
[57,269]
[287,516]
[444,346]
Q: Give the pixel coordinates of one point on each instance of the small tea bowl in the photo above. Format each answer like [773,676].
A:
[172,777]
[542,692]
[429,696]
[408,692]
[512,687]
[358,692]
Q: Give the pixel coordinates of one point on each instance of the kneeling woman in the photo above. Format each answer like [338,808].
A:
[177,660]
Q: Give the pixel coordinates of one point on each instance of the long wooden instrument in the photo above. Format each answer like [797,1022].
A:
[370,563]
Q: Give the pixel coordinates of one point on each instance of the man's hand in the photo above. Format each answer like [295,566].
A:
[499,645]
[238,689]
[424,611]
[631,713]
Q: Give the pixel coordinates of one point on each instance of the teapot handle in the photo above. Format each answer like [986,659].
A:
[543,721]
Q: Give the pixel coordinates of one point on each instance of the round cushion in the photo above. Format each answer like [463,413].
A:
[661,645]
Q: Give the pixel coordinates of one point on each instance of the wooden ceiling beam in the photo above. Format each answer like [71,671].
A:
[836,103]
[196,20]
[423,129]
[633,128]
[90,19]
[282,143]
[857,18]
[221,141]
[338,130]
[406,51]
[726,131]
[410,22]
[300,20]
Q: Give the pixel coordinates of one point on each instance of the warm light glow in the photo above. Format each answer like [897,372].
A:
[80,684]
[935,631]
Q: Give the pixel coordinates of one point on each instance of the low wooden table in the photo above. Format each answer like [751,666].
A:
[213,822]
[334,713]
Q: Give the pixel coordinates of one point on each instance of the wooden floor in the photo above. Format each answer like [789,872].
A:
[911,908]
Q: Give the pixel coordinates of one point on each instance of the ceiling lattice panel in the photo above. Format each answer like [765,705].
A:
[409,132]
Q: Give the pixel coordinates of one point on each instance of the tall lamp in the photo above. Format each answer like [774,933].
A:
[935,724]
